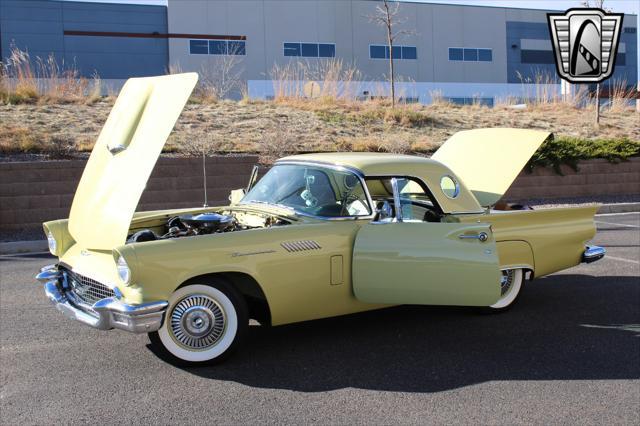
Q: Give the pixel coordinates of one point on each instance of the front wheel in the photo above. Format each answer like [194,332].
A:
[203,325]
[510,286]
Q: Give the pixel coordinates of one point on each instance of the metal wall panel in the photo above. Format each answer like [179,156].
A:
[522,35]
[38,26]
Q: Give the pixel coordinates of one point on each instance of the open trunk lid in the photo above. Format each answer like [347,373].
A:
[489,160]
[124,156]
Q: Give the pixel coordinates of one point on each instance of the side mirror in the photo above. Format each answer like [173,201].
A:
[384,212]
[236,195]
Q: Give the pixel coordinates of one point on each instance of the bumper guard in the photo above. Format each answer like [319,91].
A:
[593,253]
[105,314]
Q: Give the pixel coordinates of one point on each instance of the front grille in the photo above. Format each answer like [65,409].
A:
[86,289]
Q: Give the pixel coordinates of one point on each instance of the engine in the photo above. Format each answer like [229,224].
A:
[189,225]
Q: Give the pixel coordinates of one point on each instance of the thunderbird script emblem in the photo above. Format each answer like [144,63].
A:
[585,43]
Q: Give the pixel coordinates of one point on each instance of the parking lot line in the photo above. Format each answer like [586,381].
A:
[618,224]
[621,259]
[616,214]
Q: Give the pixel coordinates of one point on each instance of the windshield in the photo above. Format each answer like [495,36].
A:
[313,190]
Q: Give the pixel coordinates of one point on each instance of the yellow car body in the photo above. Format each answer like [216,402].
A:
[307,267]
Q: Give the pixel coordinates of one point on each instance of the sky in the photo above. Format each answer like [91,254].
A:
[625,6]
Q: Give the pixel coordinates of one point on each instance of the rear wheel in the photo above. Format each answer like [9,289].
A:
[510,286]
[203,325]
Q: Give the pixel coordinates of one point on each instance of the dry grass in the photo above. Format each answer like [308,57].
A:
[326,80]
[274,129]
[24,79]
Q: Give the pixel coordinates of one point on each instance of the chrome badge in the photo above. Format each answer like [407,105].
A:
[585,43]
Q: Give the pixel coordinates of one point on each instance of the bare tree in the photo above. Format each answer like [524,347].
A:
[223,74]
[600,5]
[386,15]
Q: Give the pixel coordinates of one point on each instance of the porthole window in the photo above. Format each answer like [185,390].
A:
[449,186]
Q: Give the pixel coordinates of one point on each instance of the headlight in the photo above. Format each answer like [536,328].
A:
[123,270]
[53,245]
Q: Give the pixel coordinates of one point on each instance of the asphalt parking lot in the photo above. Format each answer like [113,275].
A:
[569,352]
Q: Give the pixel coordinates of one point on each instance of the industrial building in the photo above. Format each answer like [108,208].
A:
[461,52]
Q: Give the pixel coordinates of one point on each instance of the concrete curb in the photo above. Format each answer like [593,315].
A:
[619,208]
[25,247]
[19,247]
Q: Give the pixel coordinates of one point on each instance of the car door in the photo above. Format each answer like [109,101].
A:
[400,261]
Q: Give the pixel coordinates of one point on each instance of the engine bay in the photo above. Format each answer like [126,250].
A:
[204,223]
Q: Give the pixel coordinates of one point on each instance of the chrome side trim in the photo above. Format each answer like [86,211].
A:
[593,253]
[397,204]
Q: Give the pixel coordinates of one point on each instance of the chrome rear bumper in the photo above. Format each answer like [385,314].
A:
[593,253]
[105,314]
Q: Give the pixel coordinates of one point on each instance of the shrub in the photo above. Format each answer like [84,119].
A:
[569,151]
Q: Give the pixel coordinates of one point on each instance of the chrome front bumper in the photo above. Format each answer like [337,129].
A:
[105,314]
[593,253]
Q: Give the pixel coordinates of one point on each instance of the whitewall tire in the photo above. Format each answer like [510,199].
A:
[510,286]
[203,324]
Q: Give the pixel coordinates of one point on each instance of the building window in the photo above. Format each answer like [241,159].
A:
[409,52]
[485,55]
[455,54]
[198,47]
[327,50]
[379,51]
[470,101]
[292,49]
[470,54]
[237,47]
[310,50]
[621,59]
[630,30]
[537,57]
[217,47]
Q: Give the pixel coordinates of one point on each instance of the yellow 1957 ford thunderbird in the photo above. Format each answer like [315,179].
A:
[319,235]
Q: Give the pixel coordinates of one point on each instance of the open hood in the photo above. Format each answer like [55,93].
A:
[124,156]
[489,160]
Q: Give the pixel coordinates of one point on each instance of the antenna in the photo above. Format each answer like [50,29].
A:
[204,177]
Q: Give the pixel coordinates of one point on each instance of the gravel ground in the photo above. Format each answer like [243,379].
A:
[276,128]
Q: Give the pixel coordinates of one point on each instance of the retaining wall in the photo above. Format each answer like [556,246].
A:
[34,192]
[593,178]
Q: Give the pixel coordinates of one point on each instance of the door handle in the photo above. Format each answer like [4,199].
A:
[482,236]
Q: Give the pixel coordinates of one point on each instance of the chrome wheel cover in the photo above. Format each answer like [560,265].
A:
[506,281]
[197,322]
